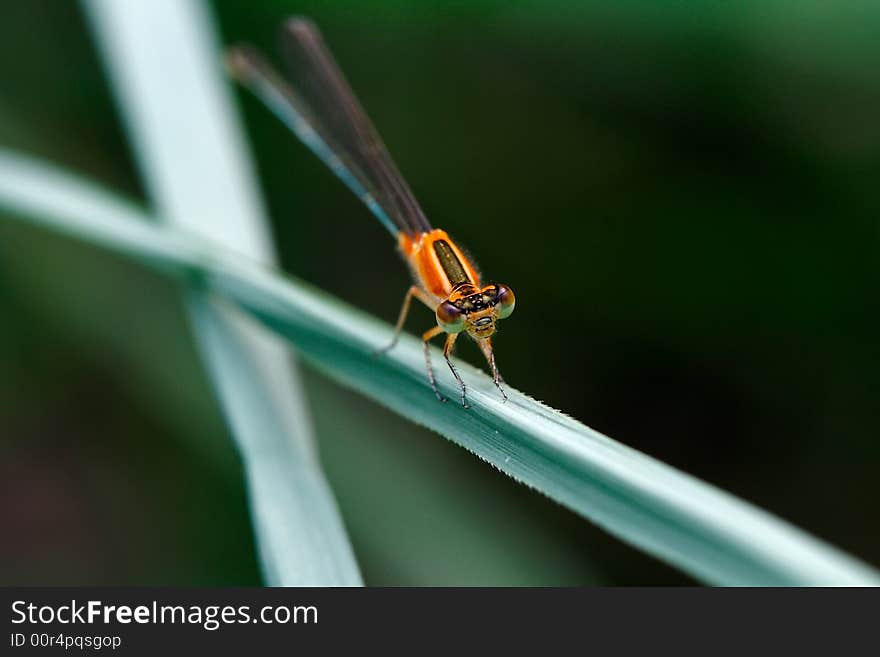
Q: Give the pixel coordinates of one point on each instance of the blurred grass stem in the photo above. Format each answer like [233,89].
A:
[162,57]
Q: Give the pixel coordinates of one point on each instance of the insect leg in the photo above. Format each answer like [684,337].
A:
[413,291]
[486,348]
[426,337]
[447,351]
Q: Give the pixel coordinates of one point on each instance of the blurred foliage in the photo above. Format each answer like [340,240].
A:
[683,196]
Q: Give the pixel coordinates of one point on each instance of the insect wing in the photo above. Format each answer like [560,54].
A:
[322,88]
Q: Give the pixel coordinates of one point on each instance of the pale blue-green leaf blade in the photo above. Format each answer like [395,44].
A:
[678,518]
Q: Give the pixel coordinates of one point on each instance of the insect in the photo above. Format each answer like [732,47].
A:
[321,109]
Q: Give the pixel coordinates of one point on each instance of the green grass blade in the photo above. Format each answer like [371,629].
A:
[180,121]
[688,523]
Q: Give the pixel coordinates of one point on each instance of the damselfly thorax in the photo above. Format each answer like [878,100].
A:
[321,109]
[451,280]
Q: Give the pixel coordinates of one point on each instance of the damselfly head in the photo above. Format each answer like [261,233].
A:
[476,311]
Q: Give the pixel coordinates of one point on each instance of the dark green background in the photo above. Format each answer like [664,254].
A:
[683,195]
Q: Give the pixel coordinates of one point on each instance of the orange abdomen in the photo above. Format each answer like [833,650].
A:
[437,264]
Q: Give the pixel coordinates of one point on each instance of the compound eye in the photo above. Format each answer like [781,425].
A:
[450,318]
[504,301]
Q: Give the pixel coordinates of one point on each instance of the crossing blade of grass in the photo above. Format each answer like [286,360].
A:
[164,64]
[673,516]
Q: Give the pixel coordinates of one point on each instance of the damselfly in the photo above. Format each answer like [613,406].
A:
[321,109]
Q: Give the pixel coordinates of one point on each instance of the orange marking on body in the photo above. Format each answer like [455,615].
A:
[426,266]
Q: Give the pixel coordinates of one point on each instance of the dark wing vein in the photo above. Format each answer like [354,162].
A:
[339,118]
[249,67]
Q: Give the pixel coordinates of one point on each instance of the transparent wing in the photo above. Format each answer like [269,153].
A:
[323,87]
[324,113]
[249,67]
